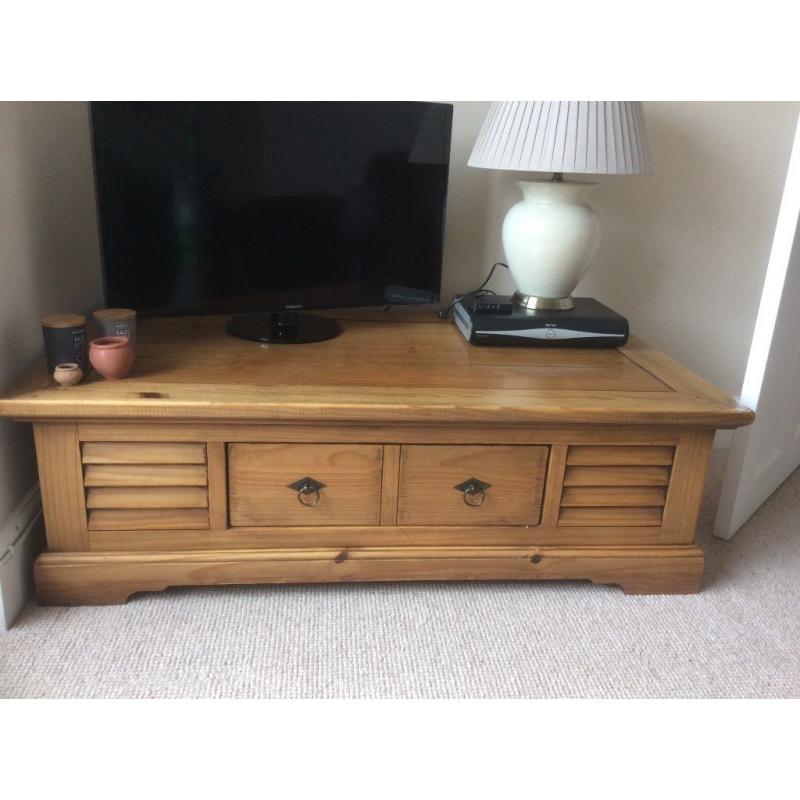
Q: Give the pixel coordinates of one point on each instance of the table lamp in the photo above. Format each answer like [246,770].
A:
[549,237]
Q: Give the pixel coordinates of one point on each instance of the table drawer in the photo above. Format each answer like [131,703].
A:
[260,477]
[507,483]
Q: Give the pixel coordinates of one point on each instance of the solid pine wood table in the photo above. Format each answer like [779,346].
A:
[394,452]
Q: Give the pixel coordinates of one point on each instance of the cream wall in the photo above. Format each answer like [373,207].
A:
[49,256]
[684,251]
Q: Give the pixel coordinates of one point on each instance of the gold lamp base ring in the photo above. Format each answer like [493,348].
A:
[542,303]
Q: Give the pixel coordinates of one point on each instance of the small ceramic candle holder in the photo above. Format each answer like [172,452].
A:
[111,356]
[67,374]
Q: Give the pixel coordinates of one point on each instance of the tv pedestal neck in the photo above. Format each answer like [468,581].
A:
[394,452]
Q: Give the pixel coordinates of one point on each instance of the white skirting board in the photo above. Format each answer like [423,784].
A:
[21,541]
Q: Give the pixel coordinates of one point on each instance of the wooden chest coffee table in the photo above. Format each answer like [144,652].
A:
[394,452]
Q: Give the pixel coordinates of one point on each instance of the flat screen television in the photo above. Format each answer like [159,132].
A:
[267,209]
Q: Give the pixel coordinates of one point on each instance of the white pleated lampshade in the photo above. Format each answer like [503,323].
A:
[563,136]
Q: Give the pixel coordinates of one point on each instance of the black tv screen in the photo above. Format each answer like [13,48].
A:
[225,207]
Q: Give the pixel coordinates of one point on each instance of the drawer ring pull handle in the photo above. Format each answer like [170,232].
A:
[473,491]
[307,488]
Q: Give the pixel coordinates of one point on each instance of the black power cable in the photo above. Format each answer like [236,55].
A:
[479,292]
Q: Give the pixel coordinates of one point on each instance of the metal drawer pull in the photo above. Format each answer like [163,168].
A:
[305,487]
[473,488]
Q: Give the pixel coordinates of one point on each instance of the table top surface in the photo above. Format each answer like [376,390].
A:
[384,367]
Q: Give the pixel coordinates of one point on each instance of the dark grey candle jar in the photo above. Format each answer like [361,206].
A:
[65,340]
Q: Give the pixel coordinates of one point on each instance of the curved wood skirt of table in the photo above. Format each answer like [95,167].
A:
[92,578]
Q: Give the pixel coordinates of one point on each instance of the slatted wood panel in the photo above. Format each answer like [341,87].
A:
[616,476]
[145,486]
[610,516]
[605,455]
[148,519]
[615,485]
[613,496]
[143,453]
[147,497]
[145,475]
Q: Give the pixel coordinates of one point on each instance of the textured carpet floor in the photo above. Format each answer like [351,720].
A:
[739,638]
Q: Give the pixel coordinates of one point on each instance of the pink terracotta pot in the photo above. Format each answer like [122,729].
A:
[111,356]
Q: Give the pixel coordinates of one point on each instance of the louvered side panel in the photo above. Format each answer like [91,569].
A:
[145,486]
[615,485]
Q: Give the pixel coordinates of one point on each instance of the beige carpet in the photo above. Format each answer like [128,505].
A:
[739,638]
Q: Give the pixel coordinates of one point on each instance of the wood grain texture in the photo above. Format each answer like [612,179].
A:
[189,368]
[314,431]
[678,377]
[390,484]
[148,497]
[61,481]
[145,475]
[84,579]
[616,476]
[148,519]
[255,538]
[554,485]
[686,486]
[608,455]
[217,485]
[143,453]
[260,474]
[430,473]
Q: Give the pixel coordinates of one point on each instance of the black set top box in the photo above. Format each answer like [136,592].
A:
[494,320]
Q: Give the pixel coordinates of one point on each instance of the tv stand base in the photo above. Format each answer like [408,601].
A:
[283,327]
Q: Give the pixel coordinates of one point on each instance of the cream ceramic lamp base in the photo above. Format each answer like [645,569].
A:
[549,238]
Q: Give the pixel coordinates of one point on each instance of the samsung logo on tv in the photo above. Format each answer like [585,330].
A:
[293,305]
